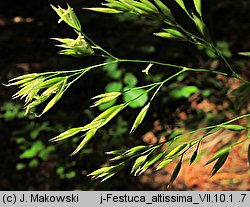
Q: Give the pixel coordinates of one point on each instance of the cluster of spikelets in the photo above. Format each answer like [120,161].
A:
[48,88]
[156,9]
[36,88]
[75,47]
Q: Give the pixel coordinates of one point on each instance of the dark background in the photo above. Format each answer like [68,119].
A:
[25,31]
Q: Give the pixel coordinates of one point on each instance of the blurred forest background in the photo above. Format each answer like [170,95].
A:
[30,162]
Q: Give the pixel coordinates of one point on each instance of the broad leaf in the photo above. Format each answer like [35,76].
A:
[136,98]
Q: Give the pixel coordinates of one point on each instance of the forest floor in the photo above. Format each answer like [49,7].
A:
[234,175]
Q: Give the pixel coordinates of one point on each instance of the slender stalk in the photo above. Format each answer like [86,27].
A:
[98,47]
[166,80]
[239,142]
[206,128]
[149,61]
[234,74]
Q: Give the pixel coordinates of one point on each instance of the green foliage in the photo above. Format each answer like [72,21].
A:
[183,92]
[48,88]
[10,111]
[135,98]
[33,151]
[222,47]
[63,174]
[130,79]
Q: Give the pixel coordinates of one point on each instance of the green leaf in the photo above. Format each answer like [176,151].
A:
[44,154]
[113,87]
[220,162]
[136,98]
[219,154]
[116,74]
[28,154]
[234,127]
[130,79]
[37,146]
[32,152]
[197,4]
[105,106]
[33,163]
[140,117]
[111,66]
[60,170]
[104,10]
[187,91]
[224,48]
[70,175]
[175,173]
[206,92]
[112,69]
[20,166]
[164,163]
[184,92]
